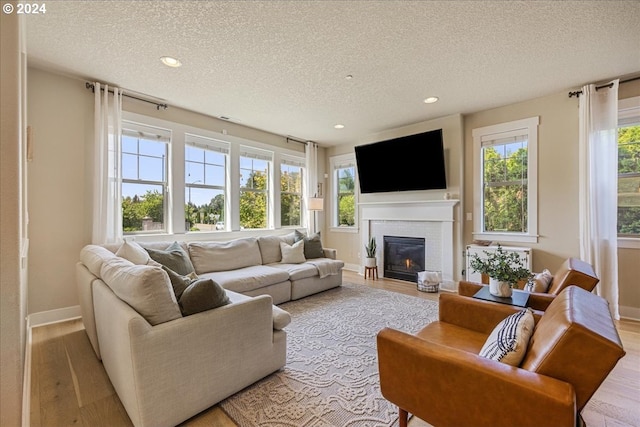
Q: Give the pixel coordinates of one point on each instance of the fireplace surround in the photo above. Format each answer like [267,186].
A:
[432,220]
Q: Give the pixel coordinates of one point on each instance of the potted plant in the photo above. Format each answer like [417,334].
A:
[370,248]
[504,269]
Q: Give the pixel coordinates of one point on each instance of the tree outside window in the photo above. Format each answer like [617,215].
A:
[346,196]
[254,187]
[629,180]
[290,195]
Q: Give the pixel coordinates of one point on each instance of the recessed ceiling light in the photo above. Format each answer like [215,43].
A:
[431,100]
[339,126]
[170,62]
[349,76]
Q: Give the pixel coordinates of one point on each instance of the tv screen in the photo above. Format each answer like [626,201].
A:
[409,163]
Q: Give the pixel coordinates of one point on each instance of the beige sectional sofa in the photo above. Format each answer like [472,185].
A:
[167,367]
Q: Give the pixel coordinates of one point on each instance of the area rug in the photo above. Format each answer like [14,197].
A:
[331,375]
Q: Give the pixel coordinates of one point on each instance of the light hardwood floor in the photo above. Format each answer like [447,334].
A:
[70,387]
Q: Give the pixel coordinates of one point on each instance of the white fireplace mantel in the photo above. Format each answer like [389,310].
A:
[432,219]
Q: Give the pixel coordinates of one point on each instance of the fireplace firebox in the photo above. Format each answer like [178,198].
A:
[403,257]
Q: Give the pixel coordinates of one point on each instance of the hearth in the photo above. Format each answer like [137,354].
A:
[403,257]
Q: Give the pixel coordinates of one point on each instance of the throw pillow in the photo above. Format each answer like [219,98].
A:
[202,295]
[508,341]
[174,258]
[292,254]
[312,245]
[178,281]
[539,282]
[131,251]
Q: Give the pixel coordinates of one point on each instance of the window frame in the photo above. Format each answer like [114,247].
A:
[147,132]
[175,200]
[336,163]
[268,156]
[215,146]
[528,126]
[291,161]
[628,114]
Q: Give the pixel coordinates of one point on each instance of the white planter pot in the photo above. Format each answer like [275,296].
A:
[369,262]
[499,288]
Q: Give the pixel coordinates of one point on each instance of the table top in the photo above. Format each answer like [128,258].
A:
[518,298]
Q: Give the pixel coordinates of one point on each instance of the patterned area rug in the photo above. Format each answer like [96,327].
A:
[331,375]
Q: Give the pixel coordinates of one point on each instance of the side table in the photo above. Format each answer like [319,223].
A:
[372,272]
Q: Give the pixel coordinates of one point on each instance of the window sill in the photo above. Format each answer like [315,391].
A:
[344,229]
[628,243]
[506,237]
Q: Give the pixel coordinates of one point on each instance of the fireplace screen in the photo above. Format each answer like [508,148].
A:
[403,257]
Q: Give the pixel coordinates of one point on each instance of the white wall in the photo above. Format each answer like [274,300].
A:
[12,228]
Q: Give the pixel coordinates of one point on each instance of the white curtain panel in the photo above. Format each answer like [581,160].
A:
[311,154]
[598,174]
[107,217]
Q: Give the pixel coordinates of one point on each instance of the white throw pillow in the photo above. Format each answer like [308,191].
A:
[509,340]
[131,251]
[292,254]
[540,282]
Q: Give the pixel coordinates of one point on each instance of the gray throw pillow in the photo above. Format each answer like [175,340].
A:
[174,258]
[312,245]
[178,281]
[202,295]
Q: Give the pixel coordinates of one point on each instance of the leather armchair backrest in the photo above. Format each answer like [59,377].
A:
[573,272]
[575,341]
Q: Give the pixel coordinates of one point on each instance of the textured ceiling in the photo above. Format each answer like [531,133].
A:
[280,66]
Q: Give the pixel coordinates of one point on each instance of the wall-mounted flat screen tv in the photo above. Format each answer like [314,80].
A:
[408,163]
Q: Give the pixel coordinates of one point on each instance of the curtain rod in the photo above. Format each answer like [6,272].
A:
[158,106]
[577,93]
[299,141]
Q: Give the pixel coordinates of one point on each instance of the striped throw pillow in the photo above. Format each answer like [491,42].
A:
[508,341]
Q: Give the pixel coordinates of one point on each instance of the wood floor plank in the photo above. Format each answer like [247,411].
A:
[106,412]
[91,380]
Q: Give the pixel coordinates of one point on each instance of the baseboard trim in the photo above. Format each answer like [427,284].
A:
[53,316]
[629,313]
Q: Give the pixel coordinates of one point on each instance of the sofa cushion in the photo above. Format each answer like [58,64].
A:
[249,278]
[93,256]
[145,288]
[312,245]
[202,295]
[508,341]
[173,257]
[223,256]
[270,247]
[292,254]
[297,271]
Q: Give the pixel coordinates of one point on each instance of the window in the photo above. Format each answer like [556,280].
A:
[205,183]
[505,202]
[291,170]
[254,187]
[629,167]
[344,178]
[144,178]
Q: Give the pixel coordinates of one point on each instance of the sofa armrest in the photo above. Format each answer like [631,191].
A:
[330,253]
[447,386]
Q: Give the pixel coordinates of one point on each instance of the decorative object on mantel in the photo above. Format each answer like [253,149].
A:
[370,248]
[504,269]
[429,281]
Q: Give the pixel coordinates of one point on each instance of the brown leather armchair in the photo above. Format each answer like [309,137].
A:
[438,376]
[572,272]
